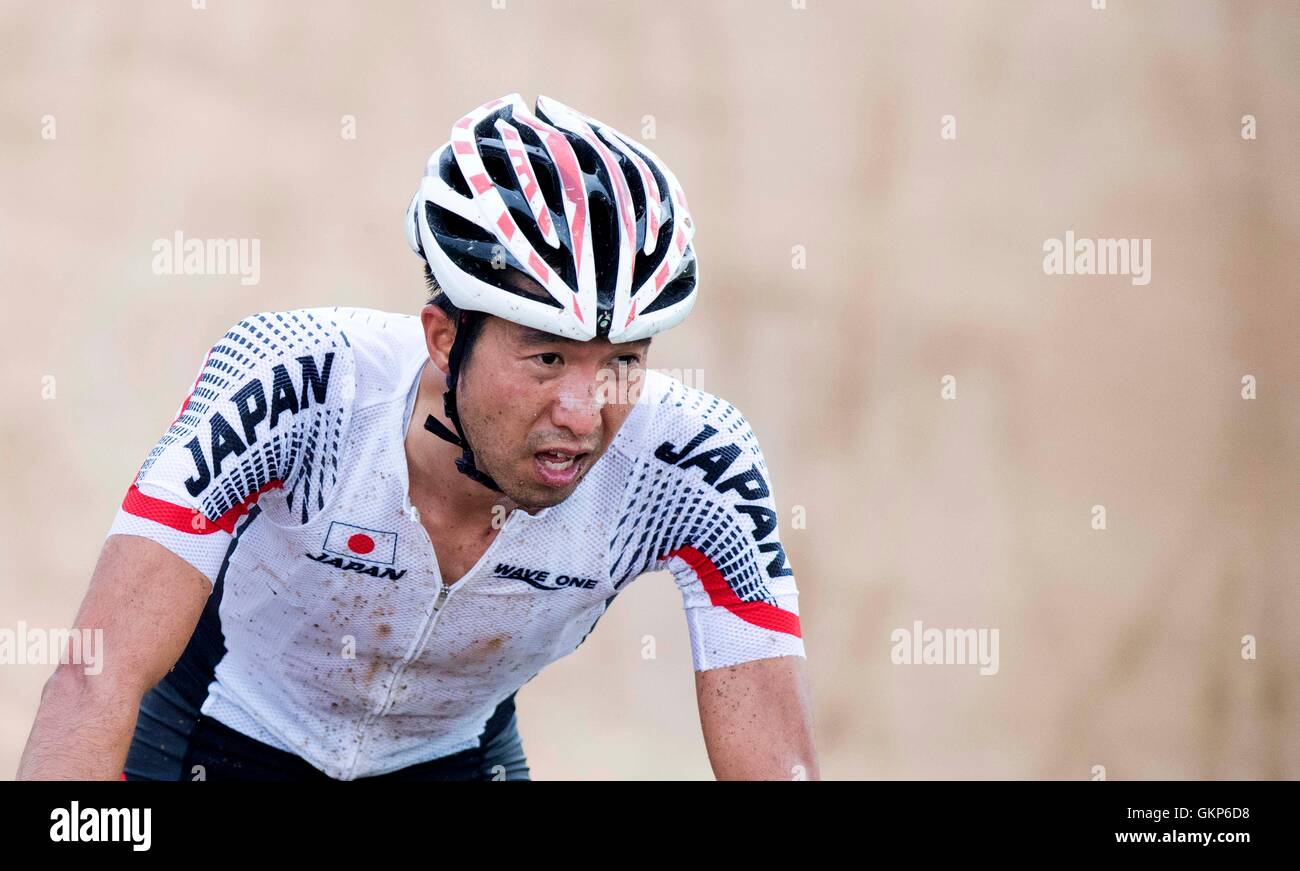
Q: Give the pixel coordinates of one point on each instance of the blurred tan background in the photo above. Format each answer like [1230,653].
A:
[817,127]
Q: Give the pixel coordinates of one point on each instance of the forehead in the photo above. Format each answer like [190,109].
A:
[528,337]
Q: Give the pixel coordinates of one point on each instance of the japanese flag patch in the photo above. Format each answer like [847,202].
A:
[357,542]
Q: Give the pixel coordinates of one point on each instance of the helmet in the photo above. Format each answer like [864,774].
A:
[555,221]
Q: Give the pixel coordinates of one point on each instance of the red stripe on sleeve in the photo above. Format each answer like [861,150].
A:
[169,514]
[720,593]
[181,517]
[227,520]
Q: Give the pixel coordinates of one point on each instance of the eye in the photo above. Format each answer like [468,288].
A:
[630,359]
[550,358]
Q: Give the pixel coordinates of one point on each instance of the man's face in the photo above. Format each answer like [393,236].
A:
[540,410]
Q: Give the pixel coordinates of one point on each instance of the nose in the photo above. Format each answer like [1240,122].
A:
[578,404]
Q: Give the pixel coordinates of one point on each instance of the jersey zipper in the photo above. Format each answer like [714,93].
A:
[444,593]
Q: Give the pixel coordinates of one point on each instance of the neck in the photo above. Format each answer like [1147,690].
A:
[435,482]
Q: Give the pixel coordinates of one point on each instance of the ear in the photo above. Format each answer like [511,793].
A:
[439,333]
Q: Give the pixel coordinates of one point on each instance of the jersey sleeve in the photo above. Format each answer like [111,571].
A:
[264,421]
[721,538]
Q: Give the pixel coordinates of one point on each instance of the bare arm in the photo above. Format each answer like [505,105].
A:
[147,601]
[757,720]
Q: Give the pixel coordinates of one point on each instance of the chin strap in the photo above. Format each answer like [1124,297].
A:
[465,462]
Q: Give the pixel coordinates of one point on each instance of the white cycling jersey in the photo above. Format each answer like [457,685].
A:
[283,480]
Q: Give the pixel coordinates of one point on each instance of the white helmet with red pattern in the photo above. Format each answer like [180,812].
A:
[556,221]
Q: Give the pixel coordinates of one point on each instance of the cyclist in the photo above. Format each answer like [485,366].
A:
[364,532]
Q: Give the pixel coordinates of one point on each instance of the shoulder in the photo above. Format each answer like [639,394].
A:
[272,402]
[382,346]
[695,467]
[686,427]
[339,354]
[269,367]
[697,489]
[260,342]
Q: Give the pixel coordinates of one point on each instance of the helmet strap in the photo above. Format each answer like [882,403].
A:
[465,462]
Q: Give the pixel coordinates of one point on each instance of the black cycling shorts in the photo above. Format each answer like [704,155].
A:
[172,742]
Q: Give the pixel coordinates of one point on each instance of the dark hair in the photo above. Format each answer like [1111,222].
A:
[436,294]
[438,297]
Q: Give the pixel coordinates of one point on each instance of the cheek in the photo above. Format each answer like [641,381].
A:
[612,417]
[523,398]
[512,405]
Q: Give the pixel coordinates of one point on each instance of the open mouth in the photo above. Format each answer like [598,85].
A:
[558,468]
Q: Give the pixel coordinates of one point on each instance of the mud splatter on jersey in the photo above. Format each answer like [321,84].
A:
[283,480]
